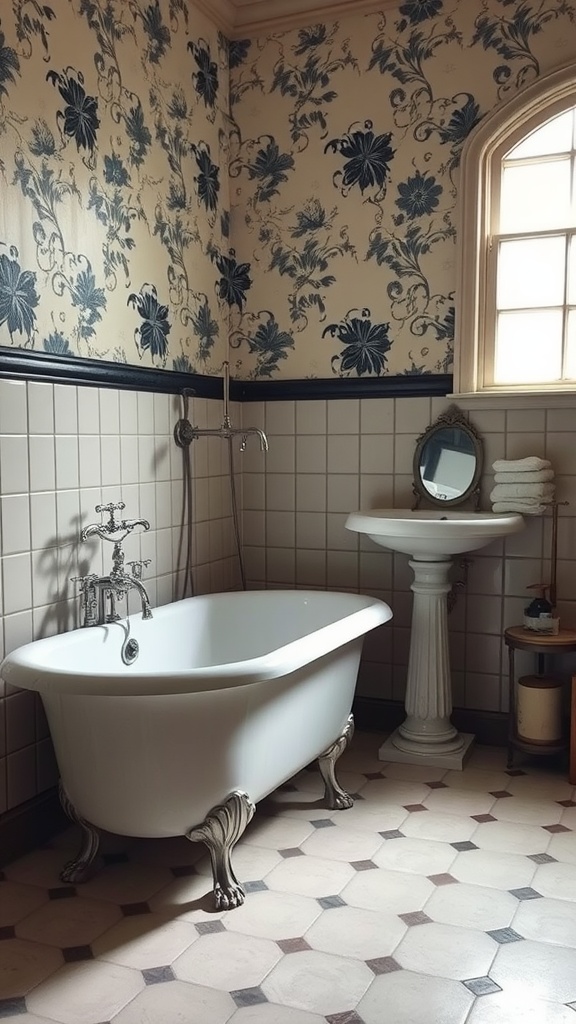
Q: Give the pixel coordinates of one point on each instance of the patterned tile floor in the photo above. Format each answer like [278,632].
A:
[441,897]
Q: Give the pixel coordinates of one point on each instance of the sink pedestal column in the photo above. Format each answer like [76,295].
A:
[427,735]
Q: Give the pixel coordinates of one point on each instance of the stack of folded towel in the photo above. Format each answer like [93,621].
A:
[522,485]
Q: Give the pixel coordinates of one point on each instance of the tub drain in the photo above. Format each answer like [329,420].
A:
[130,651]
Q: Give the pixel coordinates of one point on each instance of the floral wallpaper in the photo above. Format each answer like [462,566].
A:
[344,160]
[171,199]
[114,221]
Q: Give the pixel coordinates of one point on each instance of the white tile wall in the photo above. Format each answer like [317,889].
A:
[64,449]
[352,454]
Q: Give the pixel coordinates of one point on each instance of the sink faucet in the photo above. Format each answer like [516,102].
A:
[100,593]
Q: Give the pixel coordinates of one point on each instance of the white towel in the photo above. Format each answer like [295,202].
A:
[519,506]
[536,491]
[531,463]
[537,476]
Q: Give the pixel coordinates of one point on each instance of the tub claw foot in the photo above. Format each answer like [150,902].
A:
[220,831]
[337,799]
[79,869]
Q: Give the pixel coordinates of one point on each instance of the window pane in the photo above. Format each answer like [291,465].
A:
[572,273]
[535,197]
[571,345]
[553,137]
[528,347]
[531,272]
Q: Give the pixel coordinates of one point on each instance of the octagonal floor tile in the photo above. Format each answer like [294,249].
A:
[369,817]
[24,965]
[445,828]
[547,920]
[447,951]
[144,940]
[41,867]
[417,856]
[557,880]
[188,898]
[476,778]
[86,992]
[511,837]
[563,846]
[394,892]
[73,922]
[310,876]
[227,960]
[276,833]
[528,811]
[126,882]
[472,906]
[494,869]
[17,901]
[536,970]
[345,844]
[504,1008]
[273,915]
[394,791]
[537,786]
[460,801]
[318,982]
[168,852]
[353,932]
[249,862]
[416,999]
[177,1001]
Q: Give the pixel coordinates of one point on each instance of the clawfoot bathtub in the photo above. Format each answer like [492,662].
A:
[228,697]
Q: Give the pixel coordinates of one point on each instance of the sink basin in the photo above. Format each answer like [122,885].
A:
[433,534]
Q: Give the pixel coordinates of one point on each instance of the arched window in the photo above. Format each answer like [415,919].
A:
[516,303]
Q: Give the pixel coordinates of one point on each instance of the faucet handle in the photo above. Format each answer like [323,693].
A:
[138,565]
[84,581]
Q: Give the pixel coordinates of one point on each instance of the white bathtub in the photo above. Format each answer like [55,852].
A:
[230,695]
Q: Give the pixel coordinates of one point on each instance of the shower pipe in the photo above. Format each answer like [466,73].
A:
[184,434]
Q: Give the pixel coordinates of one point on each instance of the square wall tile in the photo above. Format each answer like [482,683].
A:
[376,416]
[311,417]
[280,417]
[280,565]
[40,408]
[110,411]
[412,415]
[311,453]
[15,524]
[42,463]
[89,460]
[13,407]
[311,568]
[338,538]
[344,416]
[377,453]
[311,530]
[89,410]
[343,492]
[65,409]
[66,450]
[16,582]
[279,529]
[43,520]
[310,492]
[342,569]
[343,453]
[128,412]
[282,457]
[14,464]
[17,630]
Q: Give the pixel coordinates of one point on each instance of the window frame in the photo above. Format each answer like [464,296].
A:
[478,196]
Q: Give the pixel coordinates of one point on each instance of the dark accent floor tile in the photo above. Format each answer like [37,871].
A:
[442,879]
[500,794]
[481,818]
[64,892]
[412,808]
[363,865]
[383,965]
[7,932]
[155,975]
[291,851]
[542,858]
[347,1017]
[566,803]
[131,909]
[183,870]
[72,954]
[525,893]
[115,858]
[248,996]
[322,823]
[392,833]
[464,846]
[12,1007]
[556,828]
[255,886]
[293,945]
[414,918]
[504,935]
[209,927]
[330,902]
[482,986]
[436,785]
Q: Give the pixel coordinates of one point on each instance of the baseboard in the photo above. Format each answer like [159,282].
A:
[372,715]
[30,825]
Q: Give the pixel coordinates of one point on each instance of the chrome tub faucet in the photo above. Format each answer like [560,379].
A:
[100,593]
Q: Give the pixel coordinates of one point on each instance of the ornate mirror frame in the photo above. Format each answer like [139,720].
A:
[453,417]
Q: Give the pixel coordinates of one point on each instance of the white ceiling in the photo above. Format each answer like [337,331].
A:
[241,18]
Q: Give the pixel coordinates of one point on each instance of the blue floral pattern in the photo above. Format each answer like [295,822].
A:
[366,344]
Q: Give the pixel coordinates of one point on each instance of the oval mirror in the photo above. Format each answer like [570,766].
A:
[448,461]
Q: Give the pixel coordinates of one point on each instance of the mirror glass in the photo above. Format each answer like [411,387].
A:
[448,461]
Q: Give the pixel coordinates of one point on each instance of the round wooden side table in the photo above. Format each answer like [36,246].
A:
[517,638]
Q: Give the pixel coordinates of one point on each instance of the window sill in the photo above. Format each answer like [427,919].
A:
[515,399]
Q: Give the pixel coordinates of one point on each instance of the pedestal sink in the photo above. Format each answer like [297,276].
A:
[431,537]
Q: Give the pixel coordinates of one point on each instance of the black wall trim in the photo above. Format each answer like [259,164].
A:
[20,364]
[344,387]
